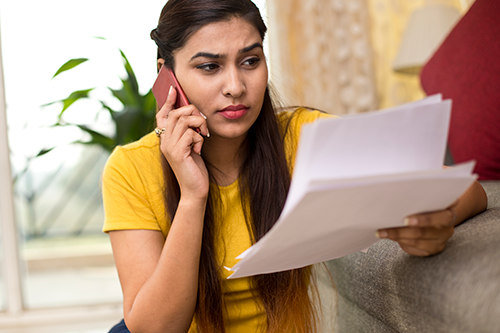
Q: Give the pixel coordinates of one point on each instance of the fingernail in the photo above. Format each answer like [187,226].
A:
[203,115]
[381,234]
[208,133]
[170,90]
[411,221]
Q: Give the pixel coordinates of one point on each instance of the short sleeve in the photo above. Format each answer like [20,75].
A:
[292,123]
[127,203]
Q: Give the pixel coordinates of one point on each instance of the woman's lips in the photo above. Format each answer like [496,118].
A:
[234,111]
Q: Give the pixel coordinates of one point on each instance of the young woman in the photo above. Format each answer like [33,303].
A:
[184,202]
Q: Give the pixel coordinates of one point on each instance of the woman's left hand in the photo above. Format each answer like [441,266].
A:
[425,234]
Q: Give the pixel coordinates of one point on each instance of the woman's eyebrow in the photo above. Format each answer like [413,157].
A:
[217,56]
[251,47]
[207,55]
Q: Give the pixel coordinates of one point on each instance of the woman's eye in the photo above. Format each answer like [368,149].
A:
[251,61]
[208,67]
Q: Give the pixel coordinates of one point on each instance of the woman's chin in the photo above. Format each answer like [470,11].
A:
[230,128]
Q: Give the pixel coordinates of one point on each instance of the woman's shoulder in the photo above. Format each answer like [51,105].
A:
[291,122]
[295,117]
[149,142]
[145,146]
[139,155]
[132,187]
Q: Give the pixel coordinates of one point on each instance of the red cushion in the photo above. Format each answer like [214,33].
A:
[466,68]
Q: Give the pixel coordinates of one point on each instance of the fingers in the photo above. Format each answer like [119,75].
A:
[441,219]
[419,241]
[184,128]
[197,142]
[185,118]
[427,233]
[162,115]
[182,140]
[168,117]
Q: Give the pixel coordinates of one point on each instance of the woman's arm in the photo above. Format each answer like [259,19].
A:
[159,277]
[427,234]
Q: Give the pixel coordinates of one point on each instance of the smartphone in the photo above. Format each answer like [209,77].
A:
[164,81]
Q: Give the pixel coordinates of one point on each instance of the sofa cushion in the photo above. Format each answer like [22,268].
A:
[466,68]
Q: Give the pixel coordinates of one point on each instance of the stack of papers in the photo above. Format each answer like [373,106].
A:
[356,175]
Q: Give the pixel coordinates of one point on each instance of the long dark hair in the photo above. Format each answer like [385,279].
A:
[264,184]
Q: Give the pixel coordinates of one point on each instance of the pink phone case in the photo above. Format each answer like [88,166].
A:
[164,81]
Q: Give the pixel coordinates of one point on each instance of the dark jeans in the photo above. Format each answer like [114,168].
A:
[120,328]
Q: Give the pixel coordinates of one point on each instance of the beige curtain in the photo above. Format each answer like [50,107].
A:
[321,55]
[336,55]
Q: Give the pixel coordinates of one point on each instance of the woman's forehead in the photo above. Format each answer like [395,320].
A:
[222,38]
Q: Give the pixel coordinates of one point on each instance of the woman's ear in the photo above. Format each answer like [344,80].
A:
[160,63]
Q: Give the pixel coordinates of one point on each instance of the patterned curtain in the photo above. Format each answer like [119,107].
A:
[336,55]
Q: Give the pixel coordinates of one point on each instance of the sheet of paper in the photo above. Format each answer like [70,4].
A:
[354,176]
[329,224]
[402,139]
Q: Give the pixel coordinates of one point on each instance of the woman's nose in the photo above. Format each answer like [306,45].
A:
[234,85]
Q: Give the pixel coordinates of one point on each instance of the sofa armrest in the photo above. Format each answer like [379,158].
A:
[458,290]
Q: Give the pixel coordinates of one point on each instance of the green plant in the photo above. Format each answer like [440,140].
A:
[133,121]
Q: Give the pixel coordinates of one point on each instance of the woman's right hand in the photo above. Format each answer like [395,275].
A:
[181,145]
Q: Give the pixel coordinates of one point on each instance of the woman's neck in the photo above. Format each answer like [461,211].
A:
[225,157]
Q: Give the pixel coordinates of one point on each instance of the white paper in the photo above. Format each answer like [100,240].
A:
[364,145]
[354,176]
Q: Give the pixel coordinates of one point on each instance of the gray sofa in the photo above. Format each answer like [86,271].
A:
[458,290]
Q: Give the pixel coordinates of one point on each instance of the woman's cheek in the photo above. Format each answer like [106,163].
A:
[199,95]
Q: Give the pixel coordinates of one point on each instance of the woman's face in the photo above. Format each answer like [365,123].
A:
[222,70]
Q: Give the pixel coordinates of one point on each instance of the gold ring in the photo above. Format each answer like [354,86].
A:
[159,131]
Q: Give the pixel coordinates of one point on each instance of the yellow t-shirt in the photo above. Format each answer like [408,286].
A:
[133,199]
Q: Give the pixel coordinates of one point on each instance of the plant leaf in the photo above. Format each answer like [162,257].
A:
[47,104]
[97,138]
[127,66]
[69,65]
[121,95]
[107,107]
[44,151]
[149,104]
[132,121]
[130,83]
[73,97]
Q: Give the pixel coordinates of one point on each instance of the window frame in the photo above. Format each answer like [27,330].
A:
[10,262]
